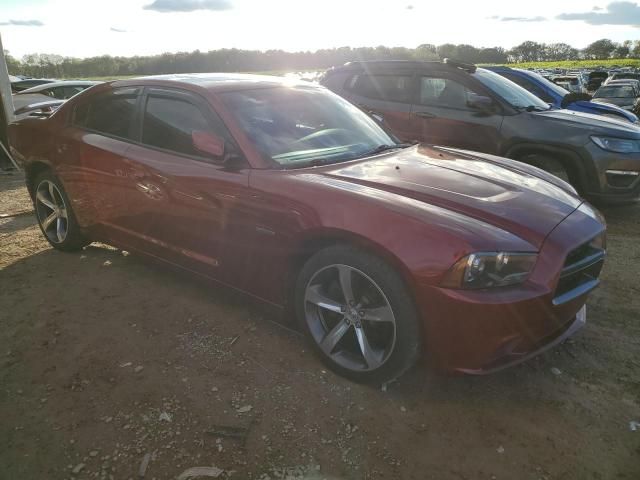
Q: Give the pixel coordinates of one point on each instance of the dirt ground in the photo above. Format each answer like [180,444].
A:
[109,362]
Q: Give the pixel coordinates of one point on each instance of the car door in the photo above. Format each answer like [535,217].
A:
[187,207]
[387,97]
[92,164]
[451,112]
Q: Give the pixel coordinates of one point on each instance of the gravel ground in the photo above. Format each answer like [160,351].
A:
[113,367]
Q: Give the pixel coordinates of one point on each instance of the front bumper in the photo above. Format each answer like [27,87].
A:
[483,331]
[613,178]
[508,357]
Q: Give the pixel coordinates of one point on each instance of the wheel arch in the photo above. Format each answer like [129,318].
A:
[314,241]
[32,170]
[570,160]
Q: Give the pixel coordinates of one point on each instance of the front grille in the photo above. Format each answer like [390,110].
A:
[580,273]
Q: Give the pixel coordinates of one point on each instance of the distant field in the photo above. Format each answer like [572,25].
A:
[621,62]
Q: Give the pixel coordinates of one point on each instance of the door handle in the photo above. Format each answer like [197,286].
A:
[136,174]
[425,115]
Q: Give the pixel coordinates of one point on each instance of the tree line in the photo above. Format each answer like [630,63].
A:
[234,60]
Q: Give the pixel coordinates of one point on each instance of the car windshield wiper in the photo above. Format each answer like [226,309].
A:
[317,162]
[384,148]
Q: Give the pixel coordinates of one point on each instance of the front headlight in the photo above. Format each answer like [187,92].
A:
[617,145]
[490,269]
[599,242]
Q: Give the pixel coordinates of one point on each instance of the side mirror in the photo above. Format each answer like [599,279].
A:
[481,103]
[208,143]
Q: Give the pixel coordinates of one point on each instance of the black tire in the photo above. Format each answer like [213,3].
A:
[388,286]
[73,239]
[549,165]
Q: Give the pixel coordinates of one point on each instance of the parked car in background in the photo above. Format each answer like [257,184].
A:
[22,101]
[571,84]
[622,76]
[34,104]
[21,85]
[624,96]
[634,83]
[596,79]
[558,97]
[463,106]
[280,190]
[61,90]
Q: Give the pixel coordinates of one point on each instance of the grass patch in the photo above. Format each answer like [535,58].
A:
[620,62]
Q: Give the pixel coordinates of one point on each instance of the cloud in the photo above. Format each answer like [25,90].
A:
[23,23]
[518,19]
[617,13]
[119,30]
[188,5]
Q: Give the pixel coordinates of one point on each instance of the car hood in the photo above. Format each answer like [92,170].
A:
[591,123]
[515,197]
[604,108]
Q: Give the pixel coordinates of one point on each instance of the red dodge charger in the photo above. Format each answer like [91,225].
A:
[386,252]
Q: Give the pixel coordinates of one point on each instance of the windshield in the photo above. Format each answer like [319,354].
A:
[619,76]
[569,80]
[512,93]
[549,84]
[302,126]
[614,92]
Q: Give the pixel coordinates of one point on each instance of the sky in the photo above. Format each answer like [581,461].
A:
[84,28]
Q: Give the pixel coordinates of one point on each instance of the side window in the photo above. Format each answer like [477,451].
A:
[519,81]
[391,88]
[169,123]
[529,86]
[112,113]
[444,92]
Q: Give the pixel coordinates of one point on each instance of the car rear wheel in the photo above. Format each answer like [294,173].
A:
[55,216]
[358,315]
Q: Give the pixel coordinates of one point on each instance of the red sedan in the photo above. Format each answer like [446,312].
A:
[287,192]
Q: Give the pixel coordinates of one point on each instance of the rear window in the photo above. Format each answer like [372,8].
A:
[111,114]
[615,92]
[621,76]
[391,88]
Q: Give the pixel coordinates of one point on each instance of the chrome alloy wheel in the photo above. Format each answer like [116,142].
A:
[350,318]
[51,211]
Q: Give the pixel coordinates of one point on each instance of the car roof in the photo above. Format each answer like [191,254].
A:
[215,81]
[62,83]
[396,65]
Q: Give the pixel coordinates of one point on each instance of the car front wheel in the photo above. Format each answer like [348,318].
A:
[358,315]
[548,164]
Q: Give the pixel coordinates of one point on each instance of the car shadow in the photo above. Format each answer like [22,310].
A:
[16,223]
[100,273]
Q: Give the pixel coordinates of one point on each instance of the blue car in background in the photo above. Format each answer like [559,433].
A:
[558,97]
